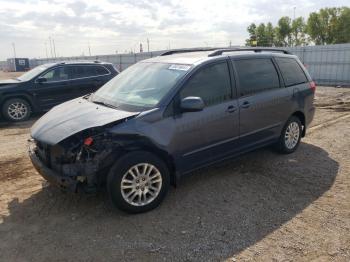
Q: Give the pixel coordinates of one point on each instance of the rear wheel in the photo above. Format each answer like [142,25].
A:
[16,110]
[290,136]
[138,182]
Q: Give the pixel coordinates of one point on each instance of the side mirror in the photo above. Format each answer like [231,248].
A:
[41,80]
[191,104]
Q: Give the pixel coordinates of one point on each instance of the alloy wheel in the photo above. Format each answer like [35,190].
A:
[17,110]
[292,134]
[141,184]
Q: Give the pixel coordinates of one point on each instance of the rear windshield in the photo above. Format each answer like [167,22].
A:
[292,73]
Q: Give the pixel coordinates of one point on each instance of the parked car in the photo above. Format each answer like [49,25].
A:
[51,84]
[164,117]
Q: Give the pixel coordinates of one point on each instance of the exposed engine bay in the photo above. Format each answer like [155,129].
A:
[84,157]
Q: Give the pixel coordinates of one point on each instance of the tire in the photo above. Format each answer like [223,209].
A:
[287,144]
[141,192]
[16,110]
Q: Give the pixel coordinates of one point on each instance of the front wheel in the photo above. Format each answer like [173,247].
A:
[16,110]
[290,136]
[138,182]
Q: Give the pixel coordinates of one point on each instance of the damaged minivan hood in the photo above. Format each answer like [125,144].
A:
[72,117]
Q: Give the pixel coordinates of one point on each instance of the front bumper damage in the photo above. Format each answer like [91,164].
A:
[70,177]
[51,176]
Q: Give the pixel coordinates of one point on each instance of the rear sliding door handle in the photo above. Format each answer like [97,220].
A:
[245,104]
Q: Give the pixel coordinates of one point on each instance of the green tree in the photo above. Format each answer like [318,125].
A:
[270,34]
[327,26]
[315,29]
[252,34]
[322,26]
[298,32]
[284,32]
[343,26]
[260,35]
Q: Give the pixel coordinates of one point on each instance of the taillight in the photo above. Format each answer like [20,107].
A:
[88,141]
[313,86]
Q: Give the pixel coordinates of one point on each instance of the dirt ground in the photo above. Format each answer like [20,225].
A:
[6,75]
[260,207]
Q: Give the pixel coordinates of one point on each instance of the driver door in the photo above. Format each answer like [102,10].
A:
[208,135]
[53,87]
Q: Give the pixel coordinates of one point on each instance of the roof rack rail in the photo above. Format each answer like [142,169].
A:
[254,49]
[188,50]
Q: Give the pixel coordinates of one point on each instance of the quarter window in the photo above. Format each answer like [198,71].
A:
[211,83]
[292,73]
[101,70]
[256,75]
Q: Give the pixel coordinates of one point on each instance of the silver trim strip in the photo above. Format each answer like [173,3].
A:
[109,73]
[210,146]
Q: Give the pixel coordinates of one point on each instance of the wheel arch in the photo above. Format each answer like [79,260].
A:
[138,143]
[21,96]
[301,116]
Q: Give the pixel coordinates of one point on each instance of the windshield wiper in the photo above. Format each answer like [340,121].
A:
[104,104]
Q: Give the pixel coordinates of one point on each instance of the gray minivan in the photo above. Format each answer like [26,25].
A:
[164,117]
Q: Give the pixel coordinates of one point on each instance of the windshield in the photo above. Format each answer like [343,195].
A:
[143,84]
[32,73]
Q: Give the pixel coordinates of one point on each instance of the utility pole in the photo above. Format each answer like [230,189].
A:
[147,45]
[54,47]
[89,49]
[230,43]
[47,57]
[14,49]
[294,12]
[50,47]
[141,48]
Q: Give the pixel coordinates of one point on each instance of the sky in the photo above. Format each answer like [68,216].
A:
[111,26]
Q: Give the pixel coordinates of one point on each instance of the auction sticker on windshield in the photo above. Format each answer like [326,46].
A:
[179,67]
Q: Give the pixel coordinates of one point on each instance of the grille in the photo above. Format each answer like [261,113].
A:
[43,151]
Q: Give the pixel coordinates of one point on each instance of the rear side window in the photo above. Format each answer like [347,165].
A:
[88,71]
[256,75]
[77,72]
[211,83]
[291,71]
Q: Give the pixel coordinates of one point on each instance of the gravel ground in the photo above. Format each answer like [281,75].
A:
[260,207]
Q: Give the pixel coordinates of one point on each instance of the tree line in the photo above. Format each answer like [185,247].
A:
[327,26]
